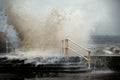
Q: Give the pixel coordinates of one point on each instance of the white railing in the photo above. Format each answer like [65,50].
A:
[8,48]
[66,48]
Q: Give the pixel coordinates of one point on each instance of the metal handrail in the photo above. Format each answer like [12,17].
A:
[77,53]
[78,45]
[7,47]
[65,50]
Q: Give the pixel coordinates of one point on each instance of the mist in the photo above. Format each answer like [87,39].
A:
[42,24]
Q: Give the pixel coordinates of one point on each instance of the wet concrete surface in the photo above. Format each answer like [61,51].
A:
[94,75]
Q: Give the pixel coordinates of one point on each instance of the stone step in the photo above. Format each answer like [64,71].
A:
[63,64]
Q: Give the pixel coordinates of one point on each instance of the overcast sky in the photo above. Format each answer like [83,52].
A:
[113,25]
[112,7]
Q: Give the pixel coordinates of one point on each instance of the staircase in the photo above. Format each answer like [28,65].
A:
[85,64]
[64,65]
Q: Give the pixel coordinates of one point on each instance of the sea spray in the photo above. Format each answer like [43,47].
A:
[41,35]
[8,30]
[43,24]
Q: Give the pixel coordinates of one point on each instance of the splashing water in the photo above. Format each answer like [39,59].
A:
[8,30]
[42,26]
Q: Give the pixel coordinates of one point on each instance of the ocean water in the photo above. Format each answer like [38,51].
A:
[105,45]
[99,45]
[105,39]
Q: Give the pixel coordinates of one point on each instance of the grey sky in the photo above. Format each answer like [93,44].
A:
[109,27]
[113,25]
[0,4]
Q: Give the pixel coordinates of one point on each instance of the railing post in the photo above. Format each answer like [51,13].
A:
[63,46]
[66,46]
[6,46]
[89,60]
